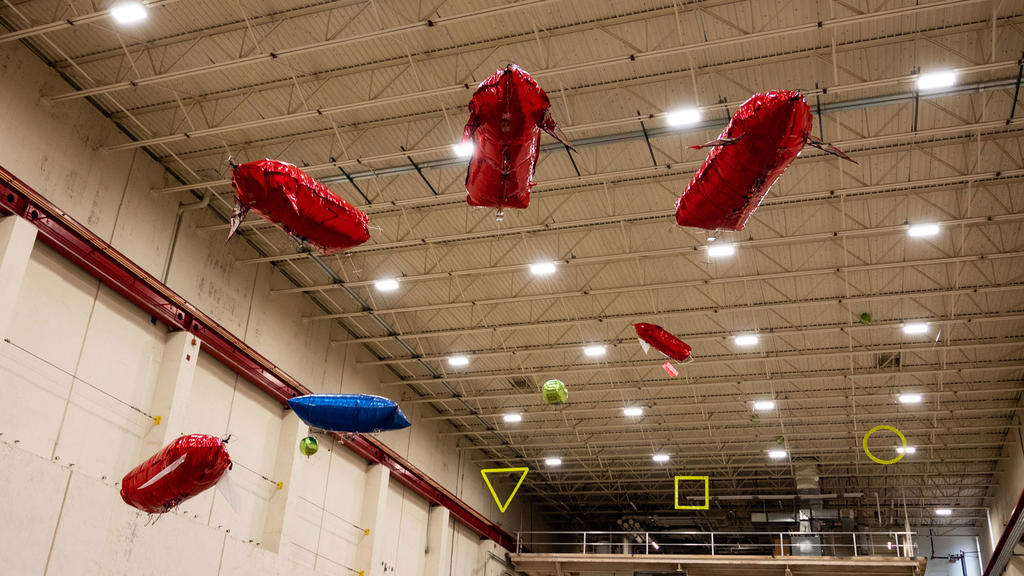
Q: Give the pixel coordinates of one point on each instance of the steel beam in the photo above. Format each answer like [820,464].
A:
[91,253]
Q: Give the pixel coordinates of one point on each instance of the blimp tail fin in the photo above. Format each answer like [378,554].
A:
[828,148]
[551,127]
[718,142]
[237,216]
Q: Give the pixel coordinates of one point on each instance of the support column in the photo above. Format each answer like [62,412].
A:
[437,540]
[17,237]
[278,525]
[370,550]
[173,387]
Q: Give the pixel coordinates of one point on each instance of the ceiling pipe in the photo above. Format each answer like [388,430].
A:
[91,253]
[715,124]
[859,19]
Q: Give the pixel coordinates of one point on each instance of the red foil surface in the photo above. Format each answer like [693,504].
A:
[771,129]
[663,341]
[301,206]
[506,115]
[203,460]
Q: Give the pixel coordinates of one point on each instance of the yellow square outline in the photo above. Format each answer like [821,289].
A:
[707,490]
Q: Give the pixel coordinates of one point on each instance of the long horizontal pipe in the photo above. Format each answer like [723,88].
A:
[716,382]
[71,22]
[468,87]
[403,167]
[657,408]
[573,260]
[540,414]
[694,251]
[635,217]
[91,253]
[720,336]
[630,316]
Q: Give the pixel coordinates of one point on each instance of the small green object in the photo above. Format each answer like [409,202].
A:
[865,318]
[308,446]
[554,392]
[780,440]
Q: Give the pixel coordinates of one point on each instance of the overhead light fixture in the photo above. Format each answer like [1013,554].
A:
[553,461]
[910,398]
[915,328]
[458,360]
[776,454]
[745,339]
[542,268]
[633,411]
[936,80]
[943,512]
[923,230]
[463,149]
[655,545]
[661,458]
[721,250]
[683,117]
[512,417]
[386,284]
[593,351]
[907,450]
[762,405]
[128,12]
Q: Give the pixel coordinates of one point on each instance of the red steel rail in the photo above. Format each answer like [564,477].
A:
[1008,541]
[91,253]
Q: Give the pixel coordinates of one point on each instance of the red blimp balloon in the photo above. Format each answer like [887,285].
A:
[181,470]
[764,136]
[654,336]
[506,114]
[298,204]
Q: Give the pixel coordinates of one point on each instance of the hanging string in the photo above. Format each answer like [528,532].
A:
[352,570]
[244,467]
[325,510]
[155,419]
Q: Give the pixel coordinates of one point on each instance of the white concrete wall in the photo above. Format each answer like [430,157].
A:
[938,544]
[80,355]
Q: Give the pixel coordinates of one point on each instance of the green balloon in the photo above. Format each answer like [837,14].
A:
[308,446]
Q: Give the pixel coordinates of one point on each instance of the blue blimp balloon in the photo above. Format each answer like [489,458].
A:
[352,413]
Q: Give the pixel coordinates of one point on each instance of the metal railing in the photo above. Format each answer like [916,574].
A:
[835,544]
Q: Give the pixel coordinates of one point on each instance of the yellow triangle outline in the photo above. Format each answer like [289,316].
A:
[494,495]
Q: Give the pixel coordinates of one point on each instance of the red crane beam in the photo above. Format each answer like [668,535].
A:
[78,244]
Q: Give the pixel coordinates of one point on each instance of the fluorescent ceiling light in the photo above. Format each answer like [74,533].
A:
[761,405]
[633,411]
[721,250]
[683,117]
[553,461]
[386,284]
[463,149]
[594,351]
[923,230]
[745,339]
[542,268]
[776,454]
[943,512]
[915,328]
[935,80]
[910,398]
[655,544]
[907,450]
[660,457]
[458,360]
[128,12]
[513,417]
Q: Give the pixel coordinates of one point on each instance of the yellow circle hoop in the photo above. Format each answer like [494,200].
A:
[879,460]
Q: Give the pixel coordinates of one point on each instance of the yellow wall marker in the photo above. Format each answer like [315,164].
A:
[707,490]
[497,501]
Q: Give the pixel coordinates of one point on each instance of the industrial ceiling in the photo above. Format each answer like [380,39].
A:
[370,96]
